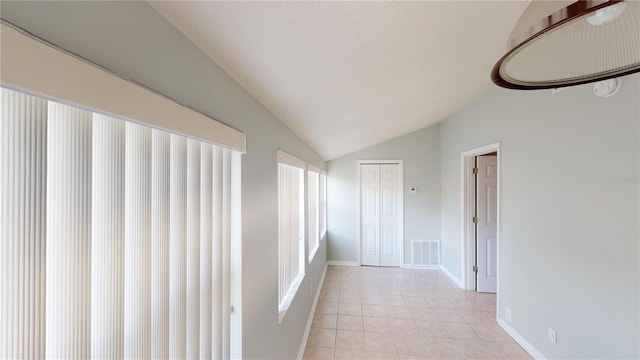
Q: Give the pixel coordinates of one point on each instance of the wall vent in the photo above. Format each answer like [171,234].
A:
[425,252]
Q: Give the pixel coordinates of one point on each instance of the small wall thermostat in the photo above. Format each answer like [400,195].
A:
[413,189]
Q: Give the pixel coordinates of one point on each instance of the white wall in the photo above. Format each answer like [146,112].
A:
[133,40]
[570,237]
[420,152]
[569,247]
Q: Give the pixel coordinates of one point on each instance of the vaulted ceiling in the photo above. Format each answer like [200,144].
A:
[348,75]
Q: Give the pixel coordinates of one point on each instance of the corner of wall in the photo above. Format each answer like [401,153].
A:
[452,277]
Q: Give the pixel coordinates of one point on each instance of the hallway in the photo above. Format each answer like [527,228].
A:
[394,313]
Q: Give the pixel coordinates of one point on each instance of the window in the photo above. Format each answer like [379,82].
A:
[322,208]
[290,229]
[117,238]
[121,224]
[313,210]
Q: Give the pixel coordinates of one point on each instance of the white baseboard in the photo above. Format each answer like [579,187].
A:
[342,263]
[303,345]
[452,277]
[521,341]
[430,267]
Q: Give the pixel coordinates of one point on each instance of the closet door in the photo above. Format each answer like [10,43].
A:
[380,221]
[370,213]
[390,241]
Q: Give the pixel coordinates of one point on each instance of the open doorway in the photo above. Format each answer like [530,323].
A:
[481,218]
[486,203]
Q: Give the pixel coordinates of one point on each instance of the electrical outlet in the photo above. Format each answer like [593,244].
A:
[552,335]
[507,314]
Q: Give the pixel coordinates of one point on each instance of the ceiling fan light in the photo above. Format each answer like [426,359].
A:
[557,44]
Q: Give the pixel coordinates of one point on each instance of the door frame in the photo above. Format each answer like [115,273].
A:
[468,212]
[401,205]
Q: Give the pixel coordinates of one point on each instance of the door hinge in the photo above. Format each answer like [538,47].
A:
[475,170]
[475,219]
[475,268]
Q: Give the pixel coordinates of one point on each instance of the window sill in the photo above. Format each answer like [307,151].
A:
[313,252]
[288,299]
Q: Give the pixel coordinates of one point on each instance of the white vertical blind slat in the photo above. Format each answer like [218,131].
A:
[206,233]
[107,235]
[235,330]
[217,254]
[23,136]
[68,233]
[160,234]
[193,249]
[226,251]
[178,241]
[137,289]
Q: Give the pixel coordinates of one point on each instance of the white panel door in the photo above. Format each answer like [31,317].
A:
[380,214]
[486,228]
[370,214]
[389,215]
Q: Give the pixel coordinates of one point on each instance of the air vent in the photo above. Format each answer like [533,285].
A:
[425,252]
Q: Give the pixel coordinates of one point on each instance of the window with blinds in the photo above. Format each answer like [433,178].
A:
[291,244]
[115,238]
[313,210]
[322,208]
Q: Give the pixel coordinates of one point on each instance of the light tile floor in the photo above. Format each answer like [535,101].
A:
[393,313]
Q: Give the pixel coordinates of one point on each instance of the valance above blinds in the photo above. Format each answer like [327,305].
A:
[35,67]
[315,169]
[286,158]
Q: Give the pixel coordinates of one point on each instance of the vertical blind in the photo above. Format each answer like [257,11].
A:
[322,198]
[291,258]
[115,238]
[313,212]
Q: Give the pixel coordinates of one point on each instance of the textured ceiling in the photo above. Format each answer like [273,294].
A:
[348,75]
